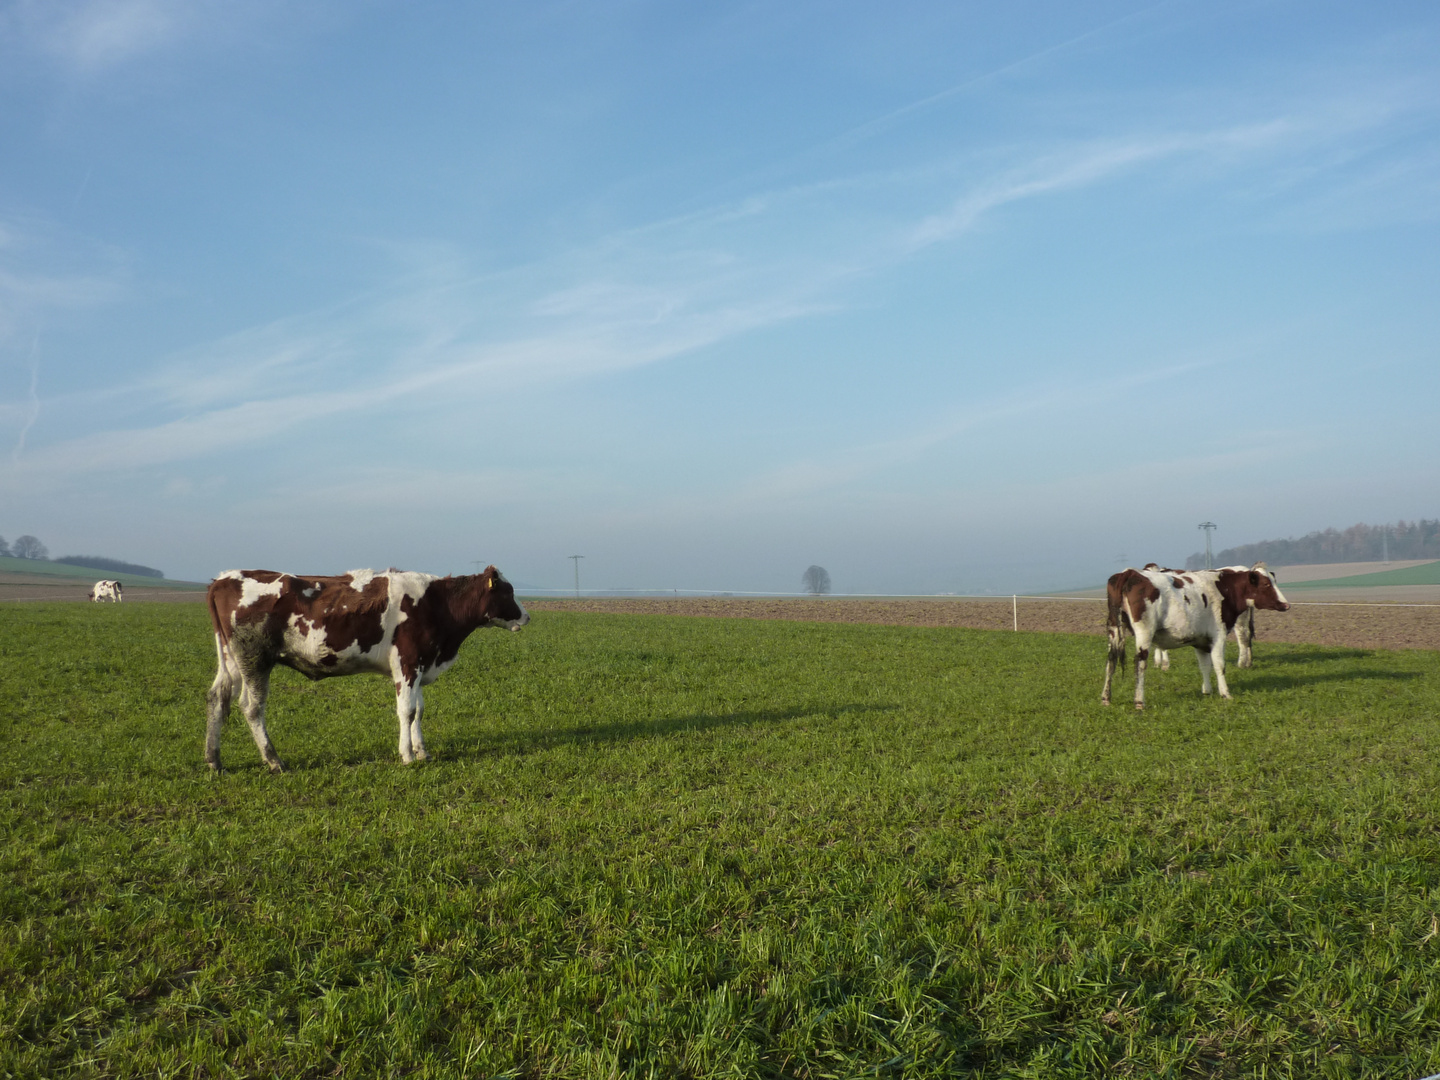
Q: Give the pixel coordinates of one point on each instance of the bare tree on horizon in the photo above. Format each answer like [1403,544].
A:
[29,547]
[816,580]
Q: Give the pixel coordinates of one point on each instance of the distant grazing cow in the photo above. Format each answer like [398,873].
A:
[106,590]
[1170,608]
[408,626]
[1244,624]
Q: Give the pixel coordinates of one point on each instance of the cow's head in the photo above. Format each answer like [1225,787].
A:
[1272,590]
[498,606]
[1256,588]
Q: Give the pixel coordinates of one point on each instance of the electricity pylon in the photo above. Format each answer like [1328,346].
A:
[1209,527]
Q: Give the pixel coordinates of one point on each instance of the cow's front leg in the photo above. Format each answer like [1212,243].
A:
[1244,635]
[1217,656]
[1213,657]
[409,706]
[1202,654]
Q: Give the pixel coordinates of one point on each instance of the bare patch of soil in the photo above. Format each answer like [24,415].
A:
[1378,626]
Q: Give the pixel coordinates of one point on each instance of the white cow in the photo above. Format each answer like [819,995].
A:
[404,625]
[1170,608]
[106,590]
[1244,624]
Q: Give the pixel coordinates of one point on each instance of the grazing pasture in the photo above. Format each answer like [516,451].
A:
[654,846]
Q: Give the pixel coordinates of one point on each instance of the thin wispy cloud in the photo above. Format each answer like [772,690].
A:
[642,297]
[1012,410]
[1085,166]
[32,409]
[905,112]
[91,35]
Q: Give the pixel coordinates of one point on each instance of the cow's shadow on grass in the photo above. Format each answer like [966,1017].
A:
[1295,680]
[466,746]
[1272,659]
[1312,656]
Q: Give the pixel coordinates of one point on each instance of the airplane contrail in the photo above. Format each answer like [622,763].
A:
[34,399]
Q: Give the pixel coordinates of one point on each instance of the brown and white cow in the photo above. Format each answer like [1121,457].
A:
[406,625]
[1244,624]
[106,590]
[1170,608]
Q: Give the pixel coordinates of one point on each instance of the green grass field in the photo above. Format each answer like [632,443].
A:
[1424,574]
[684,847]
[87,574]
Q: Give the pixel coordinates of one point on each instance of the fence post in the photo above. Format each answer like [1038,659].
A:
[1015,610]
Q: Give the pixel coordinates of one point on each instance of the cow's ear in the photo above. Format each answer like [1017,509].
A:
[1254,578]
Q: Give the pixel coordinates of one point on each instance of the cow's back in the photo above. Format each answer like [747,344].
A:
[320,625]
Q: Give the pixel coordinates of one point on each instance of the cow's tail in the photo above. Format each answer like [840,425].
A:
[1117,621]
[1117,645]
[224,658]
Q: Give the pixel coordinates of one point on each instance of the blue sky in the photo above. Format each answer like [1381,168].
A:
[941,296]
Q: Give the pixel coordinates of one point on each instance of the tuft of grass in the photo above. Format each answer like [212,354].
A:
[656,846]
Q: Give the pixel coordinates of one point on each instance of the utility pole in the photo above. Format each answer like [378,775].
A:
[577,559]
[477,563]
[1209,527]
[1385,542]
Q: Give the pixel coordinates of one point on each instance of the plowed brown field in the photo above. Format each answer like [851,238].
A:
[1379,626]
[1368,626]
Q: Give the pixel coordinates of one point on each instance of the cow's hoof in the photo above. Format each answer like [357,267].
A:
[276,767]
[1139,706]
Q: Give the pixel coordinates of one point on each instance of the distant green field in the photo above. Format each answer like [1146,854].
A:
[85,573]
[665,847]
[1424,574]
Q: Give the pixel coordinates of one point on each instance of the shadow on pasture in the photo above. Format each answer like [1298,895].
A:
[241,758]
[519,742]
[1314,656]
[1291,681]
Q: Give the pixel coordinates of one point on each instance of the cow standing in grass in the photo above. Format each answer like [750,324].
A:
[1244,624]
[406,625]
[1169,608]
[106,590]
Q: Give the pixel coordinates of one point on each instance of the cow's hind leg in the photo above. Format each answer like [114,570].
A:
[1116,656]
[409,707]
[217,703]
[1142,657]
[252,697]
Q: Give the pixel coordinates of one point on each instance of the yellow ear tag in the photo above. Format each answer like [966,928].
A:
[490,583]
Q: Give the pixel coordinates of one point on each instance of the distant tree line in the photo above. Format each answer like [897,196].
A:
[1359,543]
[25,547]
[115,566]
[30,547]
